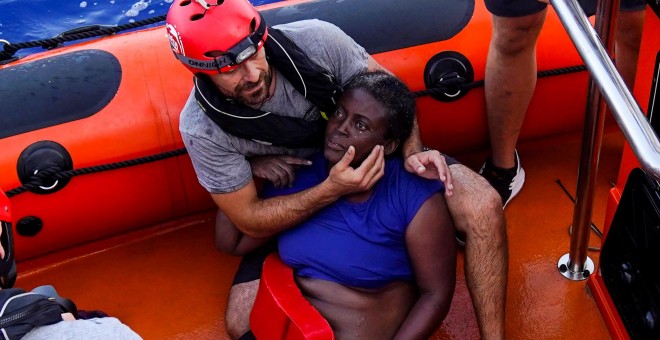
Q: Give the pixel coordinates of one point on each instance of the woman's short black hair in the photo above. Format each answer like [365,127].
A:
[394,95]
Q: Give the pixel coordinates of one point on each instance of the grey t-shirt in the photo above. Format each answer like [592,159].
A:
[220,159]
[91,329]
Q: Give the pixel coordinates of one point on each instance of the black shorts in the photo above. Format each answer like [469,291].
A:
[252,263]
[450,160]
[519,8]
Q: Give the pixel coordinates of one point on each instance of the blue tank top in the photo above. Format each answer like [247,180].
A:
[356,244]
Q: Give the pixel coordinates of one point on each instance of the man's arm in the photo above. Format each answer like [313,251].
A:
[432,250]
[413,144]
[260,218]
[428,164]
[232,241]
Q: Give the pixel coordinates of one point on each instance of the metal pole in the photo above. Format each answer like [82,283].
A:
[626,111]
[576,265]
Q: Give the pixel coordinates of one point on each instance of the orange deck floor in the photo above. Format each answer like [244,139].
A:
[169,282]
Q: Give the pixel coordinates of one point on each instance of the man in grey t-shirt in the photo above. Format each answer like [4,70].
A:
[223,46]
[221,159]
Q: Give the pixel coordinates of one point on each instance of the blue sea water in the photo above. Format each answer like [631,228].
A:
[27,20]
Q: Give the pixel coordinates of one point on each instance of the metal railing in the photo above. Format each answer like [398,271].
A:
[636,128]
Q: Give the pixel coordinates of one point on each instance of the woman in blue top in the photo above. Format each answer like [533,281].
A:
[378,264]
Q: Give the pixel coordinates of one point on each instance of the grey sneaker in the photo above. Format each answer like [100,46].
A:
[507,182]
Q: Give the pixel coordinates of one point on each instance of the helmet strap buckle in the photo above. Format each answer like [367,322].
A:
[203,3]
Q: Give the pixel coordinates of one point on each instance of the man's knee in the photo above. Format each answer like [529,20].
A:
[239,305]
[490,201]
[244,291]
[475,206]
[491,211]
[513,36]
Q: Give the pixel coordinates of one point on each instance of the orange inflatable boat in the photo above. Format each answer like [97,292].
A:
[107,101]
[105,205]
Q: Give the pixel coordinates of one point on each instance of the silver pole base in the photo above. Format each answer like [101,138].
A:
[565,270]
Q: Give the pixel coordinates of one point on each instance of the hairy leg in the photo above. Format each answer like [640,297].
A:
[477,211]
[509,81]
[239,305]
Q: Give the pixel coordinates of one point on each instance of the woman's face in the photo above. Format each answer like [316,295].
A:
[359,121]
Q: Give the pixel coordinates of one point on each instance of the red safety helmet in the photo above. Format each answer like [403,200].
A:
[215,35]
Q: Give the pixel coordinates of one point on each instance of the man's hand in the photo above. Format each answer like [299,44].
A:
[431,165]
[264,217]
[346,180]
[279,169]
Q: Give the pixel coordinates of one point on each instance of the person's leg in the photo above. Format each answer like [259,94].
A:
[628,36]
[509,81]
[509,85]
[476,209]
[244,291]
[239,305]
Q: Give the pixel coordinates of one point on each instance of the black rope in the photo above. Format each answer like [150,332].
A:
[53,172]
[454,82]
[10,49]
[563,70]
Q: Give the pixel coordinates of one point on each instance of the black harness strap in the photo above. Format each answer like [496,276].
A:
[262,127]
[312,81]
